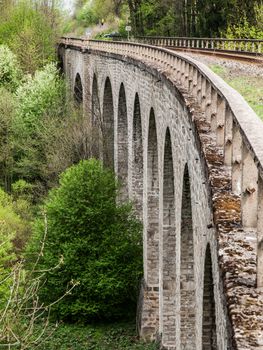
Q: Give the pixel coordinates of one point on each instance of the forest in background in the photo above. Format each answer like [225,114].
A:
[191,18]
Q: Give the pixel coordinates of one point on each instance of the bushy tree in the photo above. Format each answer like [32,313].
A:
[14,232]
[40,95]
[100,242]
[7,112]
[39,98]
[10,73]
[23,317]
[41,131]
[30,30]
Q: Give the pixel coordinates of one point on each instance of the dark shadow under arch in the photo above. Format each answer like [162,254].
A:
[187,268]
[169,245]
[60,64]
[78,90]
[108,126]
[209,338]
[122,131]
[152,204]
[96,121]
[137,173]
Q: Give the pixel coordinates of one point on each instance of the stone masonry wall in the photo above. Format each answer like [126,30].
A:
[174,295]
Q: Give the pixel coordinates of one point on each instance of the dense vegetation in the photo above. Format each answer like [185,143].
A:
[113,336]
[74,253]
[30,30]
[100,242]
[201,18]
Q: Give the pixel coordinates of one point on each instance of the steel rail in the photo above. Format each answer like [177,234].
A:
[228,54]
[248,47]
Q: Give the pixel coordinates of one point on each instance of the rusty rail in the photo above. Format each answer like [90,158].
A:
[237,129]
[245,46]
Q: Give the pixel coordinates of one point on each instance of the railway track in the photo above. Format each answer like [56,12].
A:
[228,54]
[246,50]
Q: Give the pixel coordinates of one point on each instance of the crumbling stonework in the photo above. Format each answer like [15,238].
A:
[187,172]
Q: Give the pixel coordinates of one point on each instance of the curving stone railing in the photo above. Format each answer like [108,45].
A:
[237,133]
[246,46]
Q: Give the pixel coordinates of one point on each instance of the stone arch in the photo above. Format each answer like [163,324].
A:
[108,125]
[152,204]
[137,172]
[209,338]
[169,246]
[122,132]
[78,90]
[96,120]
[187,284]
[150,312]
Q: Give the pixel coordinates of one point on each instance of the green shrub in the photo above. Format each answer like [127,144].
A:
[30,30]
[111,336]
[244,30]
[10,74]
[14,232]
[7,112]
[39,99]
[100,242]
[87,16]
[38,96]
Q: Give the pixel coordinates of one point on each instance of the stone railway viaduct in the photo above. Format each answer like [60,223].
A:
[189,153]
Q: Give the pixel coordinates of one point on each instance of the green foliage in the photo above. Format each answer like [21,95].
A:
[176,18]
[87,15]
[249,87]
[41,133]
[14,232]
[7,113]
[30,32]
[100,16]
[100,242]
[38,96]
[244,30]
[10,74]
[40,103]
[22,189]
[119,336]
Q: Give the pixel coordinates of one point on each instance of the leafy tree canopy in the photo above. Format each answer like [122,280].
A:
[10,73]
[30,30]
[99,240]
[175,17]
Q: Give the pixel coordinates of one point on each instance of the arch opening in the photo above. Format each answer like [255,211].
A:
[169,246]
[152,205]
[187,285]
[209,338]
[96,121]
[78,90]
[122,132]
[60,64]
[108,126]
[137,173]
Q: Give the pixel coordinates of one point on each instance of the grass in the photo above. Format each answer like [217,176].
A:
[118,336]
[251,88]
